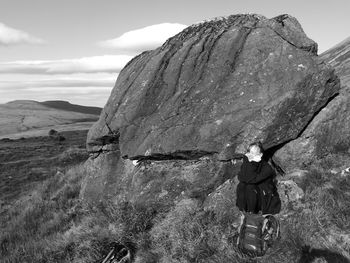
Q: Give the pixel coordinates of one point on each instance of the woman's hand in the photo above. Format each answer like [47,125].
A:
[256,158]
[253,157]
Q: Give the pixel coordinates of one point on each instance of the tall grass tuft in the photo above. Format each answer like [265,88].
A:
[190,234]
[54,226]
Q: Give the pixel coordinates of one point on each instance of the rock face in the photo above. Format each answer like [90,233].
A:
[186,110]
[160,183]
[211,89]
[224,82]
[329,132]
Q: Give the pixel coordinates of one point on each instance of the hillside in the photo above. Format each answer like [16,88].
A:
[25,118]
[65,105]
[339,57]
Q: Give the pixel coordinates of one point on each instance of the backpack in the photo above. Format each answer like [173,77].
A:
[257,233]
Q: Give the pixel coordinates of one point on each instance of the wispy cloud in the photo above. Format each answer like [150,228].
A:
[45,85]
[86,80]
[11,36]
[142,39]
[107,63]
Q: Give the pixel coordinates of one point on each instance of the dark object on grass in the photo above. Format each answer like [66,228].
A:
[53,134]
[119,253]
[310,254]
[60,138]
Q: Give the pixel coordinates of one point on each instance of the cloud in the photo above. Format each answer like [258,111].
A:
[45,85]
[93,90]
[87,80]
[107,63]
[142,39]
[10,36]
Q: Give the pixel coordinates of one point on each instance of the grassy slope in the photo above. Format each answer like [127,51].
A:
[52,225]
[43,131]
[28,161]
[24,116]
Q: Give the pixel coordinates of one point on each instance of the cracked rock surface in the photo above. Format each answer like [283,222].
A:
[222,82]
[329,132]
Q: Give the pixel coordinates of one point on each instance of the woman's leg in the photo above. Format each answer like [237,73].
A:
[252,199]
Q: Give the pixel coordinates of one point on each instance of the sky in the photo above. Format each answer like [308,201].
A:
[73,50]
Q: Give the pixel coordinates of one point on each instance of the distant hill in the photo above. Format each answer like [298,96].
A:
[27,117]
[65,105]
[339,57]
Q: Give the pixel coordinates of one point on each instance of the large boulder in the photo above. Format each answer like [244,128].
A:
[224,82]
[186,109]
[329,131]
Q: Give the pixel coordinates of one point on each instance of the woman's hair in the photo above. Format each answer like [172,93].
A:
[257,144]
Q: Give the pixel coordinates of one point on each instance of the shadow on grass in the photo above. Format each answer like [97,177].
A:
[310,254]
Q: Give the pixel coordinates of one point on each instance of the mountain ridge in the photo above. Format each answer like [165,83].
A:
[60,105]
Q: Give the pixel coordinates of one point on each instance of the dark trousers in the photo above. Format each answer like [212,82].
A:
[248,198]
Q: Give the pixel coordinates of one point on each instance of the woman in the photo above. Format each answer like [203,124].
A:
[257,190]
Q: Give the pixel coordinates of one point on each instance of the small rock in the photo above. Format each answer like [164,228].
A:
[53,132]
[290,194]
[333,171]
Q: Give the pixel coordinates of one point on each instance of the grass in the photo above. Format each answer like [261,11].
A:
[190,234]
[27,162]
[32,223]
[56,227]
[312,180]
[53,225]
[320,229]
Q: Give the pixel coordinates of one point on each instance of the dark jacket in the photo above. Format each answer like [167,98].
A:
[257,190]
